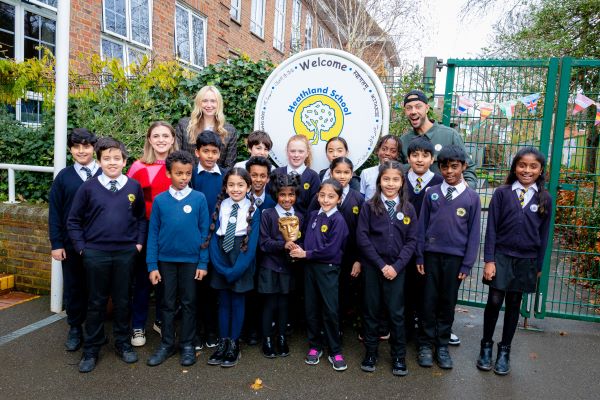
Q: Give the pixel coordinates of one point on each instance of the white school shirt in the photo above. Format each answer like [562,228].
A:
[517,187]
[368,181]
[300,170]
[241,227]
[105,181]
[425,178]
[214,170]
[180,194]
[459,189]
[93,166]
[281,211]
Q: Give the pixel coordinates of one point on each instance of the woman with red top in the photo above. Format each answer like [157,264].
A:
[150,172]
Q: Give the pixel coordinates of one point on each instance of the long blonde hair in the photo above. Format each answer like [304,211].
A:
[149,157]
[195,127]
[303,139]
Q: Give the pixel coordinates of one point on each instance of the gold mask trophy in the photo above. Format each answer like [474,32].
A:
[290,229]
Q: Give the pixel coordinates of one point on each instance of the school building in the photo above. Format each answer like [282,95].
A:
[194,32]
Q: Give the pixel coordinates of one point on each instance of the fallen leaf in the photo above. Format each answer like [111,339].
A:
[533,356]
[563,333]
[257,385]
[437,373]
[185,371]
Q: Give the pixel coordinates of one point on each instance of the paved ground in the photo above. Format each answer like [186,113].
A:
[559,363]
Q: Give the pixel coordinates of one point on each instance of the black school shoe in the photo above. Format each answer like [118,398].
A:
[399,366]
[217,357]
[443,359]
[160,356]
[283,350]
[233,354]
[368,363]
[126,353]
[88,362]
[425,357]
[74,338]
[484,362]
[268,349]
[188,356]
[502,366]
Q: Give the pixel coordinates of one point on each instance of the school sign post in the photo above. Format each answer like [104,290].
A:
[323,93]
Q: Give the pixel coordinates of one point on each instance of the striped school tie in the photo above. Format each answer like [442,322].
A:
[419,185]
[522,197]
[113,186]
[391,205]
[88,172]
[451,190]
[230,231]
[288,214]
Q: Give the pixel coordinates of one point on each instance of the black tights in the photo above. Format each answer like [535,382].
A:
[511,314]
[275,309]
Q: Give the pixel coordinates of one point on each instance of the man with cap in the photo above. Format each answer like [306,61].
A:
[415,108]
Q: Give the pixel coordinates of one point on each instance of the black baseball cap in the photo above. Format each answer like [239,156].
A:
[415,95]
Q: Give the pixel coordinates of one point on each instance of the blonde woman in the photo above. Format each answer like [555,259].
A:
[208,115]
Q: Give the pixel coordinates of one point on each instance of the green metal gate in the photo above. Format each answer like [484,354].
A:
[570,280]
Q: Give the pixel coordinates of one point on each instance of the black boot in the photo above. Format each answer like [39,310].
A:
[219,354]
[283,350]
[233,354]
[484,362]
[268,349]
[502,366]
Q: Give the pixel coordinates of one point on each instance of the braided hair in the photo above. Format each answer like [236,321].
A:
[280,181]
[241,172]
[375,201]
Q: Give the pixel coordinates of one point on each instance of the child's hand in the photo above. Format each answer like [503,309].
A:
[356,268]
[138,247]
[200,273]
[289,246]
[421,269]
[59,254]
[155,277]
[539,274]
[389,272]
[298,252]
[462,276]
[489,271]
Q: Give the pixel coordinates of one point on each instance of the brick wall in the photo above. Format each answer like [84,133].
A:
[24,246]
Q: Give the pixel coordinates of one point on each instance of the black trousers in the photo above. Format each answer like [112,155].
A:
[206,307]
[108,273]
[75,288]
[413,296]
[439,298]
[322,305]
[389,295]
[178,282]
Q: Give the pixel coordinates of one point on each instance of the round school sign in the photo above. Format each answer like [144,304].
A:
[323,93]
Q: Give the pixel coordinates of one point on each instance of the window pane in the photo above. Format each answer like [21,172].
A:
[7,17]
[111,50]
[198,31]
[51,3]
[234,10]
[135,56]
[114,14]
[31,111]
[29,49]
[182,41]
[31,27]
[48,31]
[7,45]
[140,21]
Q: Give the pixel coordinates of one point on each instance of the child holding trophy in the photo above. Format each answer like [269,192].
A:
[279,229]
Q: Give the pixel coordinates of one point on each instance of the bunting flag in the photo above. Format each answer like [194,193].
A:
[531,102]
[464,104]
[485,110]
[581,103]
[508,108]
[597,114]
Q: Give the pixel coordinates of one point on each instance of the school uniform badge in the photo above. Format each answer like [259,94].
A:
[306,186]
[406,220]
[437,147]
[355,210]
[324,228]
[417,191]
[400,216]
[232,220]
[533,207]
[131,197]
[187,209]
[461,212]
[434,196]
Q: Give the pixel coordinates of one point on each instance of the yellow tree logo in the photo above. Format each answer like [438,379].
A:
[318,118]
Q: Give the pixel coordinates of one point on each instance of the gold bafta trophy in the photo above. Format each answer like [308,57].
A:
[290,229]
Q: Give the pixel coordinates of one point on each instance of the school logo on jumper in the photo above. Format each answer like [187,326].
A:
[533,207]
[306,186]
[187,209]
[324,228]
[461,212]
[355,210]
[406,220]
[434,196]
[322,94]
[400,216]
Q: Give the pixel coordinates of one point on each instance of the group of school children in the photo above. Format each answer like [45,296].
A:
[207,238]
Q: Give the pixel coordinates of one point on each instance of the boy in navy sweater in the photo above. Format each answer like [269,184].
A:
[447,248]
[418,179]
[81,145]
[259,169]
[207,179]
[107,226]
[180,212]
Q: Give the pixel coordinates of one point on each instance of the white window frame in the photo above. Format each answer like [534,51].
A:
[279,25]
[192,51]
[235,11]
[44,5]
[308,32]
[18,113]
[125,56]
[257,18]
[295,33]
[128,37]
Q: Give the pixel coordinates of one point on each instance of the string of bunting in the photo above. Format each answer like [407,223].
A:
[464,104]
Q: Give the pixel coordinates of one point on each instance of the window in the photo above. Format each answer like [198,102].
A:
[190,37]
[129,20]
[279,28]
[235,11]
[257,18]
[321,37]
[37,31]
[51,4]
[308,32]
[296,41]
[7,30]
